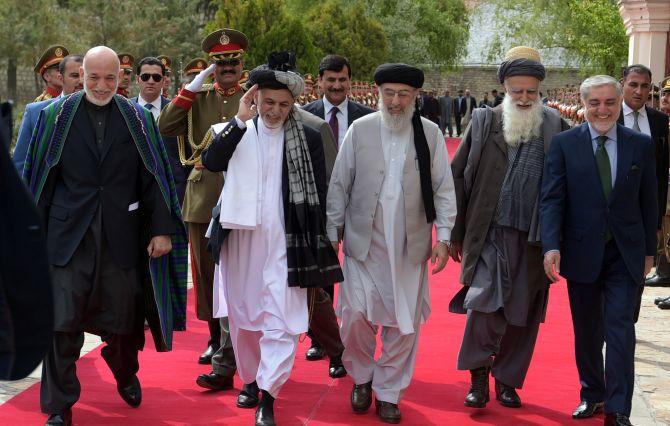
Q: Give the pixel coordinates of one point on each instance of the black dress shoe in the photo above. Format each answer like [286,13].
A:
[206,357]
[248,397]
[657,281]
[214,381]
[131,392]
[661,299]
[478,395]
[265,415]
[336,368]
[315,352]
[617,419]
[507,395]
[60,419]
[387,411]
[361,397]
[664,304]
[587,409]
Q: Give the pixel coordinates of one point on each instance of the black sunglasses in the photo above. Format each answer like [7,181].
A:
[232,62]
[147,76]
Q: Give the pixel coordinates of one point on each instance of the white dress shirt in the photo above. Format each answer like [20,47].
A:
[342,117]
[156,110]
[642,119]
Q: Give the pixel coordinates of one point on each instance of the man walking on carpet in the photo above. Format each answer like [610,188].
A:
[497,171]
[391,185]
[102,181]
[272,219]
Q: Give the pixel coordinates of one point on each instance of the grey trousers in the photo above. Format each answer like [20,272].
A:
[223,361]
[392,373]
[489,341]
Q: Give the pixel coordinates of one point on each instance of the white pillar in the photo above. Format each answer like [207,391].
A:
[647,25]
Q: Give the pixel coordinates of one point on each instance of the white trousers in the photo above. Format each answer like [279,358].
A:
[392,373]
[264,356]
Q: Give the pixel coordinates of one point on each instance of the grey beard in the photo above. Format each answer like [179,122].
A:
[520,126]
[92,99]
[396,122]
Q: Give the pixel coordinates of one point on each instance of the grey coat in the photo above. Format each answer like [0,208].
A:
[479,168]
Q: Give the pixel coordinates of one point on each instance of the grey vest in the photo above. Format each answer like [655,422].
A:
[366,187]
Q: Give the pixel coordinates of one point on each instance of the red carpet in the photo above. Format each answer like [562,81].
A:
[435,396]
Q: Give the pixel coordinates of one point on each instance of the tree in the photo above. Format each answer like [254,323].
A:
[590,32]
[429,32]
[269,27]
[349,32]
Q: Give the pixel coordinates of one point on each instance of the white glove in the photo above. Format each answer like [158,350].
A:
[199,79]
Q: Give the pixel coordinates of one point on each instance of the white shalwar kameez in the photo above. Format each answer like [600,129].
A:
[387,289]
[266,316]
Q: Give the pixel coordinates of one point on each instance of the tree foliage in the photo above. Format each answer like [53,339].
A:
[590,32]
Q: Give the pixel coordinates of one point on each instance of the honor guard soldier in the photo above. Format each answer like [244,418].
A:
[47,68]
[167,63]
[189,116]
[193,68]
[127,61]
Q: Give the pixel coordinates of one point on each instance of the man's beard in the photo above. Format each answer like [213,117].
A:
[396,122]
[95,101]
[521,125]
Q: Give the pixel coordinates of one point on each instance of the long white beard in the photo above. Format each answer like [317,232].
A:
[396,122]
[95,101]
[519,125]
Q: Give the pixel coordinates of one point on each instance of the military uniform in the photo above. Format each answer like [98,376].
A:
[126,62]
[50,59]
[189,117]
[167,63]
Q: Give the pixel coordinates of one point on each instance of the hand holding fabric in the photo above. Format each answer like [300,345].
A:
[456,251]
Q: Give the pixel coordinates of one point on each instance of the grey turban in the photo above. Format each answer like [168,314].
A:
[278,73]
[521,66]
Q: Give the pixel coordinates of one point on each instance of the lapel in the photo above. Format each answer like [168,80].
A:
[113,130]
[584,155]
[625,150]
[164,102]
[620,120]
[352,112]
[652,124]
[320,109]
[497,132]
[82,125]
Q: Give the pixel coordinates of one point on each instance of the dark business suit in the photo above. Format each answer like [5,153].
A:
[26,303]
[603,278]
[101,206]
[179,171]
[461,109]
[354,110]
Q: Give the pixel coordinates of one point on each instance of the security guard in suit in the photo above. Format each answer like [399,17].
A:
[189,116]
[47,68]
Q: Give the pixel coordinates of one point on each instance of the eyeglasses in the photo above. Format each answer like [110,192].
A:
[146,76]
[402,94]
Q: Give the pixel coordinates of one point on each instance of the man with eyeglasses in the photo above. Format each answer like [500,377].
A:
[189,117]
[391,185]
[127,60]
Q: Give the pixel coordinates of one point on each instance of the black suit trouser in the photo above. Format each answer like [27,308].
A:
[60,388]
[458,125]
[603,313]
[323,327]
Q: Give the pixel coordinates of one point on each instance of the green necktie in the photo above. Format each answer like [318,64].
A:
[605,172]
[636,125]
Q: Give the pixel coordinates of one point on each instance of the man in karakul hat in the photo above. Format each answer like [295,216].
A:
[385,216]
[497,171]
[270,234]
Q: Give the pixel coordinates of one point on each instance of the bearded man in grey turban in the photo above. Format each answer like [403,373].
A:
[497,172]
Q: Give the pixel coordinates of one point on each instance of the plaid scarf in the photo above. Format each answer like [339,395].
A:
[312,262]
